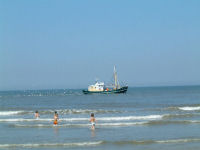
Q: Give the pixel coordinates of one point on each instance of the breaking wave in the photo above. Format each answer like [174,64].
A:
[185,108]
[9,113]
[37,145]
[113,124]
[149,117]
[24,120]
[189,108]
[62,111]
[185,115]
[80,111]
[98,143]
[120,124]
[147,142]
[165,122]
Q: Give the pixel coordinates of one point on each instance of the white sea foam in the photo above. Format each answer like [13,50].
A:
[74,119]
[24,120]
[36,145]
[149,117]
[178,141]
[145,142]
[122,124]
[85,111]
[110,124]
[61,111]
[194,121]
[80,125]
[79,111]
[50,125]
[86,144]
[8,113]
[189,108]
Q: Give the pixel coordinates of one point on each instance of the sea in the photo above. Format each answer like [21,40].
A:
[145,118]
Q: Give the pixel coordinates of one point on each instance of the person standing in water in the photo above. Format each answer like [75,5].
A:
[92,120]
[55,118]
[37,114]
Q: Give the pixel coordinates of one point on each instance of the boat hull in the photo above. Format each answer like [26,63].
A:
[117,91]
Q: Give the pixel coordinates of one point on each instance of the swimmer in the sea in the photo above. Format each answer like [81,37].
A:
[92,120]
[37,114]
[55,118]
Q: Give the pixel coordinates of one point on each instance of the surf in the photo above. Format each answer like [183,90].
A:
[184,108]
[61,111]
[98,143]
[24,120]
[121,118]
[189,108]
[108,125]
[147,117]
[113,124]
[49,145]
[148,142]
[9,113]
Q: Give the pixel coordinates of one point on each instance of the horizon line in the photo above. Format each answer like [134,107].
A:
[152,86]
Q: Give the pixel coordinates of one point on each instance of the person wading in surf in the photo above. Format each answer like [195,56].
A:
[55,118]
[92,120]
[37,114]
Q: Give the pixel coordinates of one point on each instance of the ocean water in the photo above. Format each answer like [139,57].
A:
[152,118]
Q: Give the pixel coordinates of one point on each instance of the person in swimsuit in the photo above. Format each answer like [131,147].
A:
[55,118]
[37,114]
[92,120]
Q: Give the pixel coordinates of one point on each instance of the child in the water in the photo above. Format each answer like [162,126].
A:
[92,120]
[55,118]
[37,114]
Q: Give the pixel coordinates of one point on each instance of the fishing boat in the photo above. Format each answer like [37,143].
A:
[100,87]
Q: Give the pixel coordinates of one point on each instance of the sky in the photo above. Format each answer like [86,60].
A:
[47,44]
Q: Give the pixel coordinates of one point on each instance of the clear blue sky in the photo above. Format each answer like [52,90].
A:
[67,44]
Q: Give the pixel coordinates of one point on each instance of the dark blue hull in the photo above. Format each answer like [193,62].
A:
[117,91]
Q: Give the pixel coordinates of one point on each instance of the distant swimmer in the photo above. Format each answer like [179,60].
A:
[92,120]
[55,118]
[37,114]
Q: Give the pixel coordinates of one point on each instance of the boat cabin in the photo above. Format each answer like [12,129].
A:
[98,86]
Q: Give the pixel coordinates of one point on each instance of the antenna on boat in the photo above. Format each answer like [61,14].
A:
[96,80]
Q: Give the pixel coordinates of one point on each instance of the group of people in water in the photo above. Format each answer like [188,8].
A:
[55,122]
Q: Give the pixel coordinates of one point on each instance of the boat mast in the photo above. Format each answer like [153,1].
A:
[115,78]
